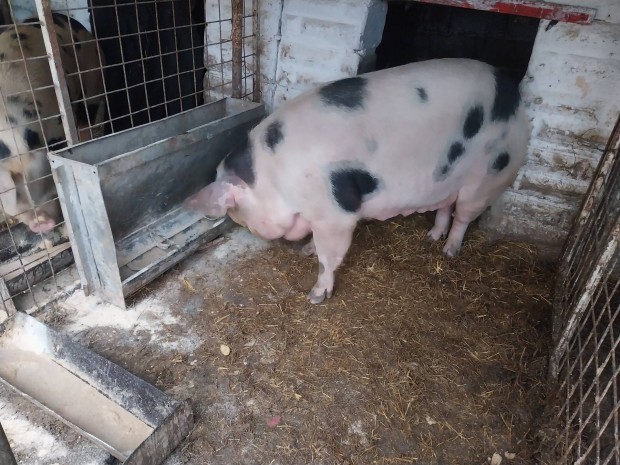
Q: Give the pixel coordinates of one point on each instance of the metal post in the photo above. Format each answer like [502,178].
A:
[58,73]
[237,46]
[257,51]
[6,454]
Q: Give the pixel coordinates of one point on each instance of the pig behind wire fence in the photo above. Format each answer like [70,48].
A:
[106,67]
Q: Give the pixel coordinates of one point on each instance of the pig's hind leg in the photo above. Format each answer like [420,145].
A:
[332,241]
[468,208]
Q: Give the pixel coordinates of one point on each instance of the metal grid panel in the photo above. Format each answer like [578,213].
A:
[585,363]
[123,63]
[231,49]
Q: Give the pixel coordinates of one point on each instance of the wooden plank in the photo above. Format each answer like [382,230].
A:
[529,8]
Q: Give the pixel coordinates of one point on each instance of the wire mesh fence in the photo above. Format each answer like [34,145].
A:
[74,70]
[585,363]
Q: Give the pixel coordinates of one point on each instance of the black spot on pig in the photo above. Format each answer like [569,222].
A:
[21,36]
[76,42]
[443,172]
[456,151]
[33,22]
[273,135]
[11,120]
[2,55]
[241,162]
[4,150]
[507,97]
[422,94]
[59,20]
[501,162]
[349,186]
[28,113]
[13,99]
[473,122]
[347,94]
[76,25]
[32,139]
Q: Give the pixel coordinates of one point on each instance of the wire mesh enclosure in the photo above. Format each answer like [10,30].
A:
[75,70]
[585,363]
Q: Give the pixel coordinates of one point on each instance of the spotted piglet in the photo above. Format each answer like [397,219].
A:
[446,135]
[29,114]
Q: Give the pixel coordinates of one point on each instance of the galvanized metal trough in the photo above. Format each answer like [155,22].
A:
[121,195]
[123,414]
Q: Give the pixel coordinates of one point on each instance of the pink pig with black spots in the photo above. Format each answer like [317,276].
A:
[446,135]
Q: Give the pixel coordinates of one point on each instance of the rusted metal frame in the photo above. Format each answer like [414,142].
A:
[529,8]
[576,234]
[52,47]
[588,291]
[256,94]
[237,47]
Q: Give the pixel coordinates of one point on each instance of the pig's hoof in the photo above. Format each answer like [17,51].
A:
[435,234]
[308,249]
[317,296]
[451,250]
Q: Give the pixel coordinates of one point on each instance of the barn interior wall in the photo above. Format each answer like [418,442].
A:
[571,92]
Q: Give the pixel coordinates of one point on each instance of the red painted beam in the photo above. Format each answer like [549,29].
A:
[531,8]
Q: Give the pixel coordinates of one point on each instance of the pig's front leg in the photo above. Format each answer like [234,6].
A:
[442,223]
[332,244]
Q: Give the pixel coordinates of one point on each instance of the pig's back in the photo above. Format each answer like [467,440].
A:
[418,128]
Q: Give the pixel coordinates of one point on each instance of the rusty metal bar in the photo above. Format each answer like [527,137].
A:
[237,47]
[256,94]
[529,8]
[52,47]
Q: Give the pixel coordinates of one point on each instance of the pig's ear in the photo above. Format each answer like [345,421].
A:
[213,200]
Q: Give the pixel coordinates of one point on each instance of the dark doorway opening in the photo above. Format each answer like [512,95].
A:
[419,31]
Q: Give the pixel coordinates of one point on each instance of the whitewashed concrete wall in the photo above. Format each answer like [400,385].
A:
[323,40]
[572,89]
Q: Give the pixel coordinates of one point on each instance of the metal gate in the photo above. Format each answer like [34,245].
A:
[158,58]
[585,362]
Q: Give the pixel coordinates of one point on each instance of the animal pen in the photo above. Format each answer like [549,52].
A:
[182,81]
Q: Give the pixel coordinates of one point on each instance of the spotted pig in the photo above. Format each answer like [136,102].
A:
[446,135]
[29,114]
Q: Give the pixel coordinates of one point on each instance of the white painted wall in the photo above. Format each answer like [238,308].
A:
[572,89]
[23,9]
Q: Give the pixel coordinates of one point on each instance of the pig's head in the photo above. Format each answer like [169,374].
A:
[234,192]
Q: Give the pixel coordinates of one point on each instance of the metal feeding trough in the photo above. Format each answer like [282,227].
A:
[122,194]
[128,417]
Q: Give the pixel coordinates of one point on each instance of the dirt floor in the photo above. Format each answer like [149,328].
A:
[416,359]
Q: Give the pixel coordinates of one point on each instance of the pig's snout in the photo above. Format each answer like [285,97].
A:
[208,202]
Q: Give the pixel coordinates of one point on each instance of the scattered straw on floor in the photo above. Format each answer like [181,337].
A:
[416,358]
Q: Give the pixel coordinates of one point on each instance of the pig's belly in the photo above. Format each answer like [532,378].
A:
[300,229]
[383,209]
